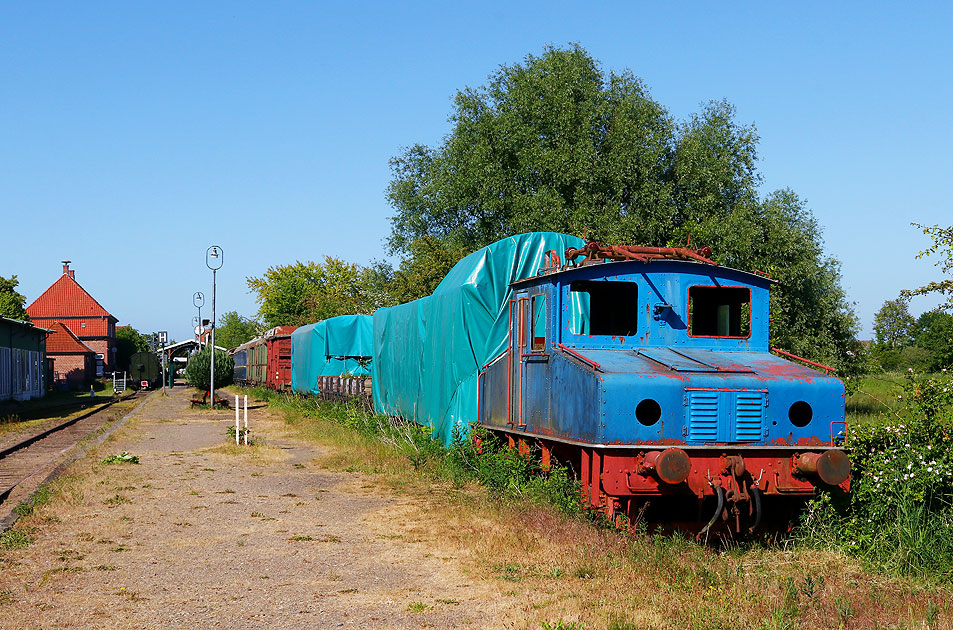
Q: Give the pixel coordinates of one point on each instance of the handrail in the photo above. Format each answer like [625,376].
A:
[582,358]
[826,368]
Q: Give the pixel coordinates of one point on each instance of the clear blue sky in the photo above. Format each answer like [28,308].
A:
[133,136]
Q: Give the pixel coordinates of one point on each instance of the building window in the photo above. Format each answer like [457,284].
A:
[82,325]
[719,311]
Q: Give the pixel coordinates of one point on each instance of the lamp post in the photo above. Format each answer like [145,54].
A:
[214,258]
[198,300]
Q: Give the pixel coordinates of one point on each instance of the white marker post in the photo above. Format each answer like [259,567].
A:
[236,420]
[246,419]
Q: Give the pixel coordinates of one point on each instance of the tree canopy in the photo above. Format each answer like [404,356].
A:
[943,245]
[894,325]
[302,293]
[12,303]
[128,342]
[233,330]
[557,144]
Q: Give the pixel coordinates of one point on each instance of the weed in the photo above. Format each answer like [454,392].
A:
[40,496]
[510,572]
[348,590]
[15,539]
[6,597]
[301,538]
[116,500]
[584,572]
[243,434]
[562,625]
[417,607]
[845,609]
[105,567]
[122,458]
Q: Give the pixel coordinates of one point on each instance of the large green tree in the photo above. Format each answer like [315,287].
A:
[894,326]
[233,330]
[302,293]
[934,333]
[12,303]
[555,143]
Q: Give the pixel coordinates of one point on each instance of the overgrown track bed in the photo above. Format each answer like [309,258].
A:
[22,460]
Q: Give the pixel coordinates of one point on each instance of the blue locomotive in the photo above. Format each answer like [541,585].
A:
[648,369]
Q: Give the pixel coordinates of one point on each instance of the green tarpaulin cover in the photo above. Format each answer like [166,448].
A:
[332,347]
[428,353]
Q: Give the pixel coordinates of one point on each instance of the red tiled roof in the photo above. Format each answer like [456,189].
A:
[65,298]
[62,340]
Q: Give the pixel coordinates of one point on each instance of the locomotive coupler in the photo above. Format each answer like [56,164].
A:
[832,467]
[671,466]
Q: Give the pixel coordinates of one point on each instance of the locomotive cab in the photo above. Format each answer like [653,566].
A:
[655,377]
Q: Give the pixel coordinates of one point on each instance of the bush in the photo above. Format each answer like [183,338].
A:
[197,369]
[899,513]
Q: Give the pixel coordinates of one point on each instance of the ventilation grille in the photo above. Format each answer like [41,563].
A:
[703,416]
[749,412]
[725,416]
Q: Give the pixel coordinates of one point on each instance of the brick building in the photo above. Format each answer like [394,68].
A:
[67,303]
[74,362]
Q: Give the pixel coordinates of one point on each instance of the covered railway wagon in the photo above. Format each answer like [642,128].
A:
[647,370]
[331,358]
[145,371]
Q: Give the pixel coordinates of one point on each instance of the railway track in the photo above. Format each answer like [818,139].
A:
[22,461]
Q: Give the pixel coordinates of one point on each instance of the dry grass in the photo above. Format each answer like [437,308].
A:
[569,571]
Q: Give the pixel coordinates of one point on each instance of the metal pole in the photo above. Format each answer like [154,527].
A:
[246,419]
[237,430]
[214,258]
[212,354]
[163,371]
[201,328]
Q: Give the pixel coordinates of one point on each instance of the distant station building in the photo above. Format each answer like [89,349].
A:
[22,360]
[74,364]
[67,303]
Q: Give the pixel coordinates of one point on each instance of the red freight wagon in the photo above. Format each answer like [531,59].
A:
[278,341]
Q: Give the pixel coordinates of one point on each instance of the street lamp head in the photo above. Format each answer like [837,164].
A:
[214,257]
[198,299]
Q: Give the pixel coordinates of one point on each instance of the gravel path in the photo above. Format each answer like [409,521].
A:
[198,535]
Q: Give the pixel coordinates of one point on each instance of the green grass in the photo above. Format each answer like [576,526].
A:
[876,396]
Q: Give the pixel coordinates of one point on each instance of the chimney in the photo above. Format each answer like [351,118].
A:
[72,273]
[66,267]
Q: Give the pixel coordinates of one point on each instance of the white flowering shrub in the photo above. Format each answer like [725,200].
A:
[899,511]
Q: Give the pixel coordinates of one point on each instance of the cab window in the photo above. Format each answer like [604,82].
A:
[719,311]
[604,307]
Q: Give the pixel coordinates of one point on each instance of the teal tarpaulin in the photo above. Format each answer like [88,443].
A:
[331,347]
[427,353]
